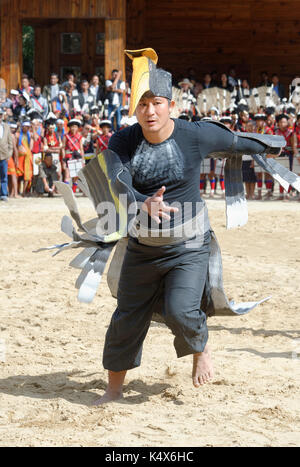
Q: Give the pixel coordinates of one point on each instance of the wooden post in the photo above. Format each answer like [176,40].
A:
[11,44]
[115,40]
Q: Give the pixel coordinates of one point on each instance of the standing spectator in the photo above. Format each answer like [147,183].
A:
[87,142]
[262,128]
[95,127]
[103,140]
[277,86]
[50,91]
[72,147]
[13,163]
[37,147]
[296,142]
[115,88]
[24,145]
[53,144]
[243,120]
[39,102]
[60,128]
[6,151]
[289,150]
[249,177]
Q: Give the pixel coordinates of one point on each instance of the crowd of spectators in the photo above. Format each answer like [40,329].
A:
[49,132]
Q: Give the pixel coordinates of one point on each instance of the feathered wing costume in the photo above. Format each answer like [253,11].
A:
[106,180]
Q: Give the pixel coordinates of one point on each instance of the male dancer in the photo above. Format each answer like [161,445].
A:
[162,157]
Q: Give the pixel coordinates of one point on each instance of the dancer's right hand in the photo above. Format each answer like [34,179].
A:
[156,208]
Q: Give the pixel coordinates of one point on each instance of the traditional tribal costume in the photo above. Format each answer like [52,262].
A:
[174,270]
[25,168]
[287,152]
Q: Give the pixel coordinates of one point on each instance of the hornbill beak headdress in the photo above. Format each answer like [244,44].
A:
[147,77]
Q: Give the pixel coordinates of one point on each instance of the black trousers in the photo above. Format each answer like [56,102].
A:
[169,279]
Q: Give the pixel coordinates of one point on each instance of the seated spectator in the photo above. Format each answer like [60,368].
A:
[85,98]
[232,79]
[71,96]
[277,86]
[47,176]
[264,79]
[60,104]
[25,88]
[207,81]
[38,101]
[13,98]
[94,85]
[22,107]
[70,79]
[198,88]
[224,84]
[50,91]
[192,75]
[214,79]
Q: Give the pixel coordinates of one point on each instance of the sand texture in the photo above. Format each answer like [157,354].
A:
[52,368]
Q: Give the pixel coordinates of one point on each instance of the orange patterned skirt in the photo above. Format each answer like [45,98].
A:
[11,167]
[25,168]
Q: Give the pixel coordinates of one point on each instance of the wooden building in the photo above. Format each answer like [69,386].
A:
[85,35]
[90,35]
[213,35]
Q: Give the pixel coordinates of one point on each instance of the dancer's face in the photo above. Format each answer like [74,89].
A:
[153,113]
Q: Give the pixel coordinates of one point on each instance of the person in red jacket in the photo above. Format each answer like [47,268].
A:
[262,127]
[284,130]
[103,139]
[72,148]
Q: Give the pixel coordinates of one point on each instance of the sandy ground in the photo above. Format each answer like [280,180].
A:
[51,369]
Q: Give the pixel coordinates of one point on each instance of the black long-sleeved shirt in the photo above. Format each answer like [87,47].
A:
[176,161]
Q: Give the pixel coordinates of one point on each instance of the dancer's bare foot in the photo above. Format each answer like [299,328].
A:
[114,389]
[202,368]
[108,396]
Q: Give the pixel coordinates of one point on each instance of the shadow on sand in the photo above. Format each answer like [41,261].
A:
[62,385]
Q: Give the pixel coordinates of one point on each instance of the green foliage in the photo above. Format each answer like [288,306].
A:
[28,49]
